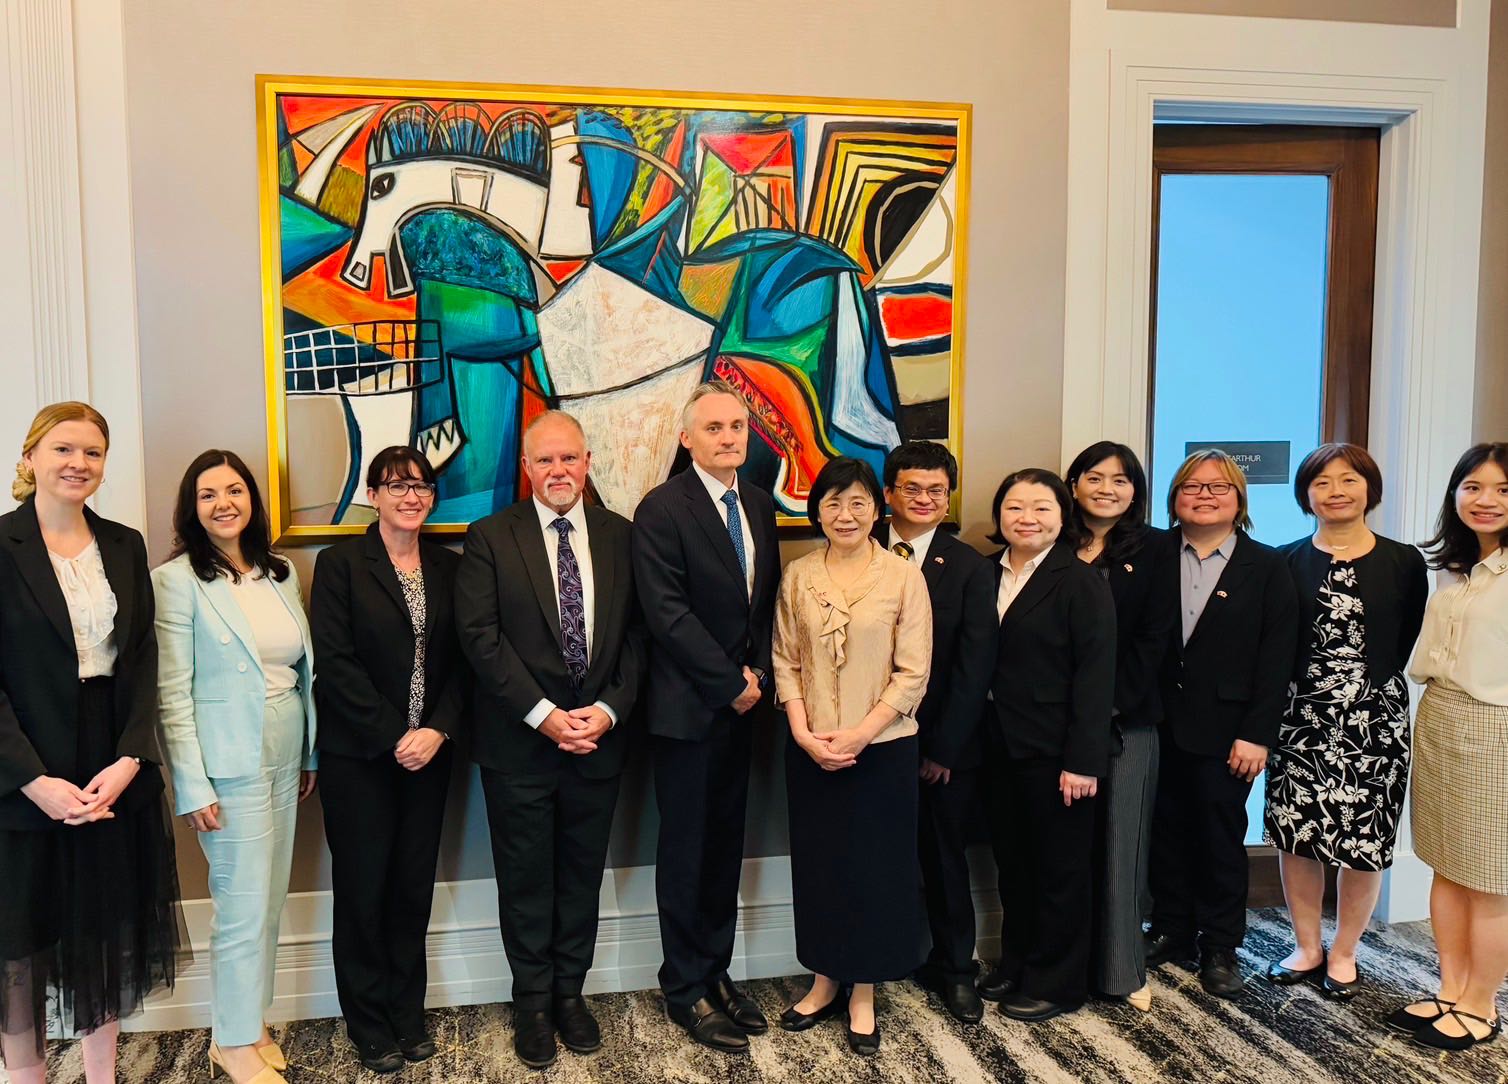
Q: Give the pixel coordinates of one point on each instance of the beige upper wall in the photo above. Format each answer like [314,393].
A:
[1491,421]
[1399,12]
[190,68]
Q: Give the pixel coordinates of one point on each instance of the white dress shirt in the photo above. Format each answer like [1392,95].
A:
[919,545]
[91,609]
[1011,581]
[582,549]
[715,490]
[1465,631]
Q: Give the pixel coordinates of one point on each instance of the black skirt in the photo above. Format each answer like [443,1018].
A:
[91,912]
[855,882]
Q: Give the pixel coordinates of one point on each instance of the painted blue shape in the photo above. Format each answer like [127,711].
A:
[451,245]
[651,255]
[609,172]
[307,236]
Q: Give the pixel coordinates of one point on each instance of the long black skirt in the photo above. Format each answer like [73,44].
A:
[856,883]
[91,912]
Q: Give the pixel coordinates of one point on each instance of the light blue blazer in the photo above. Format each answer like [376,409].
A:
[211,690]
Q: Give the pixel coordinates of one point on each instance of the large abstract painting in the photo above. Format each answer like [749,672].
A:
[442,262]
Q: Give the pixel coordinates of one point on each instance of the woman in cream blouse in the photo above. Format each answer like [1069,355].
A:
[1460,794]
[853,643]
[235,688]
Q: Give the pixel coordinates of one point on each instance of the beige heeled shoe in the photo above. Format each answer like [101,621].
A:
[267,1074]
[273,1056]
[1141,1000]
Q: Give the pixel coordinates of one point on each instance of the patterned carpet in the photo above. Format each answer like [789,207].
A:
[1271,1035]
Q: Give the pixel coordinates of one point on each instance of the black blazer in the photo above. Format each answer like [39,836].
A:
[1054,677]
[1230,680]
[364,647]
[961,586]
[704,626]
[1393,585]
[39,666]
[1144,620]
[509,621]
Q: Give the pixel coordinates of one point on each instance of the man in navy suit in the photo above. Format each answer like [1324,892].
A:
[919,479]
[706,564]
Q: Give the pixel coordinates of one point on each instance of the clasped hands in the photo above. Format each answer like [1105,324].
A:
[62,801]
[578,730]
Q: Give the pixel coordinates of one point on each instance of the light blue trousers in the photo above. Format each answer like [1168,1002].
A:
[249,859]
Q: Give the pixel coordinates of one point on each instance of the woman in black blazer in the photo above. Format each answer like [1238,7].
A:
[90,887]
[1049,737]
[1336,780]
[390,692]
[1110,508]
[1224,691]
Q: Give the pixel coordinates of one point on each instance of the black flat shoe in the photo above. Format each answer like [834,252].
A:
[576,1024]
[863,1044]
[380,1061]
[710,1026]
[792,1020]
[1162,948]
[1279,975]
[1336,990]
[1220,973]
[739,1007]
[420,1049]
[1432,1036]
[534,1037]
[1034,1009]
[1402,1020]
[995,985]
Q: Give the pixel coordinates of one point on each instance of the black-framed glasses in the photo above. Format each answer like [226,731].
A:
[1215,489]
[401,489]
[911,492]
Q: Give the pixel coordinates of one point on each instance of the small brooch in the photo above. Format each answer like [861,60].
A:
[1222,594]
[1129,568]
[939,560]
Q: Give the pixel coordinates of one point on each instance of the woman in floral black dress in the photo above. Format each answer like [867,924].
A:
[1336,781]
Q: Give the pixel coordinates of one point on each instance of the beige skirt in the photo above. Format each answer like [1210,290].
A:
[1460,796]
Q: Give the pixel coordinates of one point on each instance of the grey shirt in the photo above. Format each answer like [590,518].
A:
[1197,578]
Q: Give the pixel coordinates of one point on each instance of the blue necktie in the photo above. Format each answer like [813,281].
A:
[736,529]
[572,605]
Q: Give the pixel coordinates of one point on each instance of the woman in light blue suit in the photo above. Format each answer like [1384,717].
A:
[237,717]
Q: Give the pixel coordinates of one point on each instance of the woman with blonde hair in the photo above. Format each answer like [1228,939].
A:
[86,855]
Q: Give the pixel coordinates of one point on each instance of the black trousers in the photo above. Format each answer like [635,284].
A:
[945,816]
[1198,869]
[549,847]
[382,823]
[702,789]
[1044,851]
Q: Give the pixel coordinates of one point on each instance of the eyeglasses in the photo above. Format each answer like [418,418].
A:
[911,492]
[857,506]
[401,489]
[1215,489]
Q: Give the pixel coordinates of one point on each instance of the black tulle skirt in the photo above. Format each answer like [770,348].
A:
[90,923]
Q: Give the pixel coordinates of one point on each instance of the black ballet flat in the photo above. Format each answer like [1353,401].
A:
[1336,990]
[1401,1020]
[1431,1036]
[1279,975]
[866,1045]
[792,1020]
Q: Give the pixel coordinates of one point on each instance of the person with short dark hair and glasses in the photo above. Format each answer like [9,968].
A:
[1224,690]
[1337,777]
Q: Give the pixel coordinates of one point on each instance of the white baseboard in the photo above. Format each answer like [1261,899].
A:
[465,952]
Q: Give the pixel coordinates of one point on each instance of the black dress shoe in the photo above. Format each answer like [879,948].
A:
[739,1007]
[1279,975]
[1408,1022]
[863,1044]
[420,1049]
[995,985]
[1336,990]
[576,1024]
[1430,1035]
[380,1061]
[1160,948]
[709,1025]
[1021,1007]
[793,1020]
[1219,973]
[962,1001]
[534,1037]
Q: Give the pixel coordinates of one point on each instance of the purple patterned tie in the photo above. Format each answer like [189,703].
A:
[572,605]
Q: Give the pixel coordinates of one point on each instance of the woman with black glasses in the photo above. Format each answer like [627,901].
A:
[390,697]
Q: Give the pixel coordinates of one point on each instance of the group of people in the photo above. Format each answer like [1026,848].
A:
[1100,692]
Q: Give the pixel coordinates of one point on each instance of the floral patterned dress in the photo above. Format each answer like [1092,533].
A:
[1336,781]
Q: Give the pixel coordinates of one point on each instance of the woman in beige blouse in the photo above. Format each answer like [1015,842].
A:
[1460,797]
[853,643]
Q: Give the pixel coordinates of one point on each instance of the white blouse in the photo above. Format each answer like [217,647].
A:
[91,609]
[279,642]
[1464,642]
